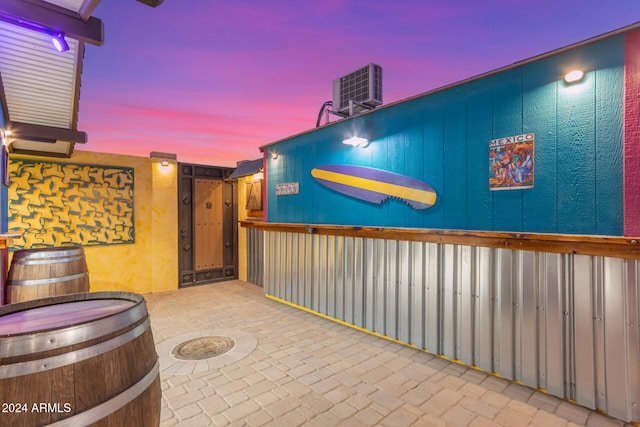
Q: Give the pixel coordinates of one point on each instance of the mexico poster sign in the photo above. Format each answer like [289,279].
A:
[511,162]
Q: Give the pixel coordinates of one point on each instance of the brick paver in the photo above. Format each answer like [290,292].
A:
[310,371]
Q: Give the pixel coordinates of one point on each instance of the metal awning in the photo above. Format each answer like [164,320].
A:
[249,167]
[39,86]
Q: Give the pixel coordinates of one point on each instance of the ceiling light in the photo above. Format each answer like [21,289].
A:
[573,76]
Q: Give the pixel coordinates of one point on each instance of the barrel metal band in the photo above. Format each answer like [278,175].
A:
[50,260]
[26,344]
[48,281]
[112,405]
[41,365]
[48,253]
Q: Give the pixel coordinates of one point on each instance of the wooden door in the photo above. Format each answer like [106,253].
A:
[207,225]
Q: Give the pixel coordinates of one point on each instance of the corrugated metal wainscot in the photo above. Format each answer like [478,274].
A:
[562,322]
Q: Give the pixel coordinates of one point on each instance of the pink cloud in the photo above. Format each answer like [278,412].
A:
[223,78]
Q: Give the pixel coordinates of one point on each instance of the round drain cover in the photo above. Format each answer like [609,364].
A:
[202,348]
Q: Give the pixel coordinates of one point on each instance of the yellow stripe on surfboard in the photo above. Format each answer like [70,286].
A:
[413,194]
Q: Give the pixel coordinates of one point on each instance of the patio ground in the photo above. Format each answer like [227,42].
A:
[290,367]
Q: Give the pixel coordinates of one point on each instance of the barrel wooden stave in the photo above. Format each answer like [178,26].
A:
[90,383]
[45,272]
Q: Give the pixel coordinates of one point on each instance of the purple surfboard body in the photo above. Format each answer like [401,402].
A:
[373,174]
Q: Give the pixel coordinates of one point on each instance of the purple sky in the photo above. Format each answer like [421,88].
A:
[213,80]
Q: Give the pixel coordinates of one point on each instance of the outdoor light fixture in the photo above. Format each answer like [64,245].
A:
[59,42]
[163,157]
[356,141]
[357,136]
[274,155]
[57,37]
[574,76]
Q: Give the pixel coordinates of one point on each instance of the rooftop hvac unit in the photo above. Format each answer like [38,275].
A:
[363,87]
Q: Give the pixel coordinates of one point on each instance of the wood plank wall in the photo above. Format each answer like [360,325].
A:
[442,138]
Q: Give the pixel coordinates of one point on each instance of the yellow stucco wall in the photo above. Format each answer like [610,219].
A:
[164,221]
[243,214]
[150,264]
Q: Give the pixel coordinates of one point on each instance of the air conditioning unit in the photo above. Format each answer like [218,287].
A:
[363,87]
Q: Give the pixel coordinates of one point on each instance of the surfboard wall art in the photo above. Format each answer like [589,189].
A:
[375,185]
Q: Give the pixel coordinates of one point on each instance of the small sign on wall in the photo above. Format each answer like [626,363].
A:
[287,188]
[511,162]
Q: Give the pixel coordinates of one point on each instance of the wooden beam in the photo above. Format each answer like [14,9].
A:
[611,246]
[54,18]
[31,132]
[3,103]
[87,8]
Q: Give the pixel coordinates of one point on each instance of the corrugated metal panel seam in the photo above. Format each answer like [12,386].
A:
[562,323]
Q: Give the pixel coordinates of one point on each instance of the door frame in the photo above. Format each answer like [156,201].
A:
[187,274]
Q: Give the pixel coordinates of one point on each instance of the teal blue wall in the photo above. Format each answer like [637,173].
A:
[443,138]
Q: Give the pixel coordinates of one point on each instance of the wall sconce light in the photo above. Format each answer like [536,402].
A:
[356,141]
[574,76]
[163,157]
[357,137]
[59,42]
[274,155]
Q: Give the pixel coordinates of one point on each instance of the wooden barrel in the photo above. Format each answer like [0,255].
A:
[78,360]
[46,272]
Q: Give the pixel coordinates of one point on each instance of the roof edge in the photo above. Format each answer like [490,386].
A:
[516,64]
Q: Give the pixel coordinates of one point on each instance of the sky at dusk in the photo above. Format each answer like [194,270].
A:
[213,80]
